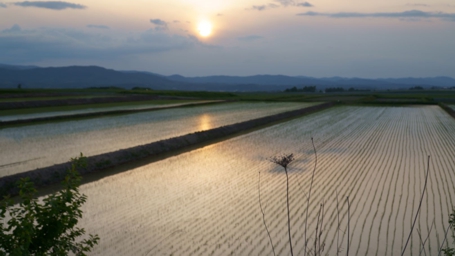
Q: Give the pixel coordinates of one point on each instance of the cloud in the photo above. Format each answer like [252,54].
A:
[294,3]
[285,2]
[249,38]
[160,25]
[280,3]
[53,5]
[418,5]
[305,4]
[263,7]
[35,45]
[14,29]
[98,26]
[2,5]
[416,14]
[158,22]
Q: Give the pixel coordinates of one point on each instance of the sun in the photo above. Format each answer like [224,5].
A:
[204,28]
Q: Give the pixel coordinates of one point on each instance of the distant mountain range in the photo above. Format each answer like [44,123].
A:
[93,76]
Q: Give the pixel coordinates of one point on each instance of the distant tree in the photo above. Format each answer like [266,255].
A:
[48,226]
[352,89]
[416,88]
[335,89]
[107,88]
[293,89]
[309,89]
[141,89]
[19,86]
[304,89]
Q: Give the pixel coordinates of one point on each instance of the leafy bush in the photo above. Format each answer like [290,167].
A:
[47,227]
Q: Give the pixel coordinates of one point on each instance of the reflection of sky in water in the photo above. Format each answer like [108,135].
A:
[204,122]
[199,115]
[88,110]
[57,142]
[208,198]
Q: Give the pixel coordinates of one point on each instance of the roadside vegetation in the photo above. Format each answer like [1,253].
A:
[47,226]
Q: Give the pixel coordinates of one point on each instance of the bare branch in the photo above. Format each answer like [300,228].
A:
[338,227]
[263,214]
[426,239]
[284,161]
[309,194]
[349,224]
[418,209]
[445,238]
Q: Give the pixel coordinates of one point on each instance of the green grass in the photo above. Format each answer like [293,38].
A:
[81,107]
[393,97]
[192,94]
[20,99]
[51,91]
[73,93]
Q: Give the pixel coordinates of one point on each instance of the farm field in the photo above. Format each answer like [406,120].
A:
[205,202]
[82,109]
[29,147]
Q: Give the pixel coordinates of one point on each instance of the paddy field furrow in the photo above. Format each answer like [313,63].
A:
[205,201]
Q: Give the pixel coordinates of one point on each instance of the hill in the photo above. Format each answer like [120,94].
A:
[93,76]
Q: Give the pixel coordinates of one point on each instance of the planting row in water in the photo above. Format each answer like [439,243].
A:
[205,202]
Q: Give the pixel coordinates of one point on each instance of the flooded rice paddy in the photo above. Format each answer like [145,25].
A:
[25,148]
[4,118]
[205,202]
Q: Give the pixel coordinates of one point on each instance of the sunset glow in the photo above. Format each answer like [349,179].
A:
[204,28]
[289,37]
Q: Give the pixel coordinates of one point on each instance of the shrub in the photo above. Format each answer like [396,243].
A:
[47,227]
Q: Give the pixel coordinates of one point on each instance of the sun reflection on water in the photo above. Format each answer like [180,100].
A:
[205,122]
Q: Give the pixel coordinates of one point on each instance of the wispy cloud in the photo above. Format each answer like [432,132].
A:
[15,28]
[418,5]
[98,26]
[263,7]
[2,5]
[161,25]
[53,5]
[285,2]
[32,45]
[280,3]
[294,3]
[416,14]
[249,38]
[305,4]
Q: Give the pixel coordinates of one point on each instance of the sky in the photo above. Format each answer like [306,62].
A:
[317,38]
